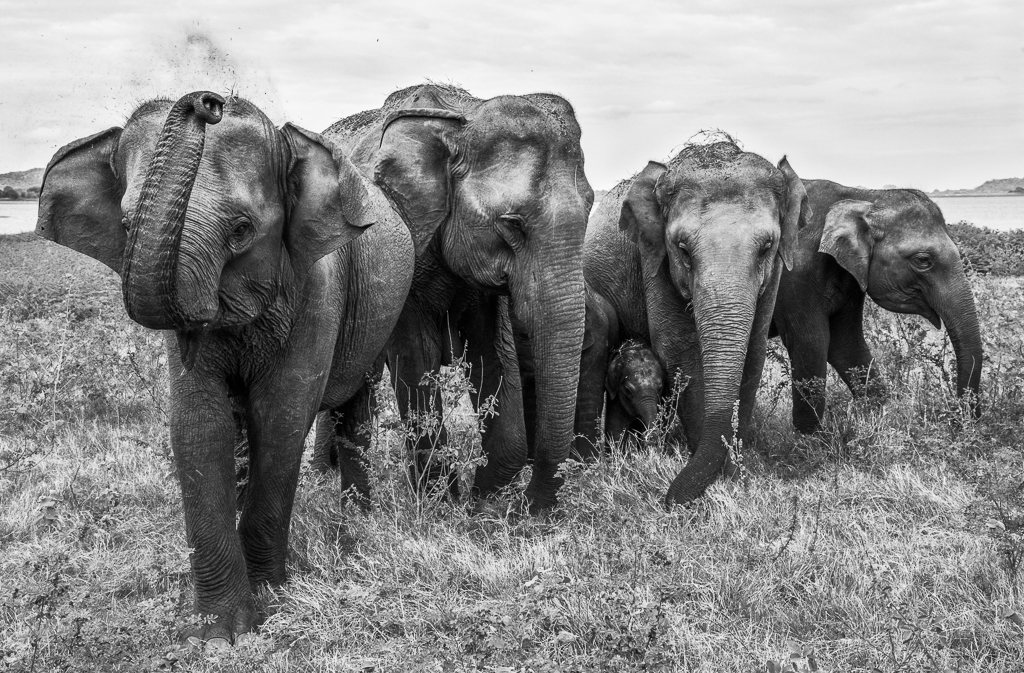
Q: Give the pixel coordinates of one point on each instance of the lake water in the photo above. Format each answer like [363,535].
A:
[18,216]
[997,212]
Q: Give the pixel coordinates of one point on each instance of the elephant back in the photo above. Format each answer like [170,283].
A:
[360,134]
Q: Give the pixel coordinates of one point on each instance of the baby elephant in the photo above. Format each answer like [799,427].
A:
[634,385]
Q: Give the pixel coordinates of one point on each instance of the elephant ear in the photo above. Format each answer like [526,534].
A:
[798,212]
[849,238]
[641,212]
[80,200]
[613,380]
[329,203]
[412,167]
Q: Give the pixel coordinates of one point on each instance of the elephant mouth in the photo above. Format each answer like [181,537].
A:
[920,308]
[931,316]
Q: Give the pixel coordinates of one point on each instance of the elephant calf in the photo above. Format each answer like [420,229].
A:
[634,386]
[891,245]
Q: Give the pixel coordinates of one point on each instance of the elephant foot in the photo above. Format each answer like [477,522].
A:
[225,629]
[542,491]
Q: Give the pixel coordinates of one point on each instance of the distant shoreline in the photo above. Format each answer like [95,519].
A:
[960,196]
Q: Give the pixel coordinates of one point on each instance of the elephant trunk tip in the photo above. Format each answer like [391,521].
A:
[208,106]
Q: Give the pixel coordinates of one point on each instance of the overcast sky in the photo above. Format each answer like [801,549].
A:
[923,94]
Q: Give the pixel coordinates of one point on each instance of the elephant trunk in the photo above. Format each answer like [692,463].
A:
[957,311]
[647,409]
[724,315]
[149,271]
[550,305]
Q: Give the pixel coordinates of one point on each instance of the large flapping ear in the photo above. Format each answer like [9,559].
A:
[80,201]
[329,204]
[413,167]
[798,212]
[847,236]
[641,212]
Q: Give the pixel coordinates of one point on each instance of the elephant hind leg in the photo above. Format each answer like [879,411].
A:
[353,430]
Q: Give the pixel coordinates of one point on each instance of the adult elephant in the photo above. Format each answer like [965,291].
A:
[891,245]
[227,233]
[495,195]
[685,257]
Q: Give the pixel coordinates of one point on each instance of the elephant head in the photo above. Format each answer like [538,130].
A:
[205,209]
[713,229]
[896,246]
[636,379]
[498,191]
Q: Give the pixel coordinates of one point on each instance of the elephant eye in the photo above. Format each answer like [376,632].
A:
[922,261]
[766,247]
[512,228]
[685,253]
[241,233]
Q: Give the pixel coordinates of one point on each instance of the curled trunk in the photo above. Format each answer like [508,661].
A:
[154,233]
[724,317]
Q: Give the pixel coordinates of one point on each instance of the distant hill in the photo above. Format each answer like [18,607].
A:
[1000,186]
[22,180]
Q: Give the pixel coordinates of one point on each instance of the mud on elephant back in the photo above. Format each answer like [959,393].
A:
[686,256]
[891,245]
[240,240]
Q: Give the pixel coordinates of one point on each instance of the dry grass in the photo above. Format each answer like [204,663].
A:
[890,542]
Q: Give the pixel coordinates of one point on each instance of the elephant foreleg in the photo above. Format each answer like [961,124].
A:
[491,352]
[280,415]
[203,432]
[850,355]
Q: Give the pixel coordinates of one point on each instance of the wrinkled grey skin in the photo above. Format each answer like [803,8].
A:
[228,233]
[633,387]
[496,198]
[686,257]
[891,245]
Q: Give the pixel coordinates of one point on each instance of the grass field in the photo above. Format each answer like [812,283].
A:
[891,542]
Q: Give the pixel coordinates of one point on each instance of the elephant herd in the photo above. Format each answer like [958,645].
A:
[287,268]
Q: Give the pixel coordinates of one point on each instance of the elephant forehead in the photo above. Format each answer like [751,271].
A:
[645,371]
[240,145]
[906,212]
[514,176]
[752,210]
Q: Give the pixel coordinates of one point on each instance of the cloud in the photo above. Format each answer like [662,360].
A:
[865,93]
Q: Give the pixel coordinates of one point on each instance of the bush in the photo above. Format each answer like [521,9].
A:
[988,251]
